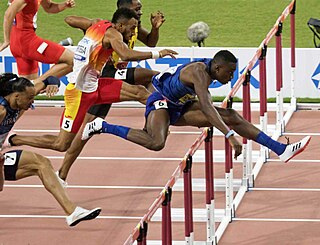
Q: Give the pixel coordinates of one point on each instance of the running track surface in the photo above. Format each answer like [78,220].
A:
[124,179]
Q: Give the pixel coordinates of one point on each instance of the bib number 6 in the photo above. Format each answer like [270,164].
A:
[160,104]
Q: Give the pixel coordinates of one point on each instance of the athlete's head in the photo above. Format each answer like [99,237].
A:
[223,66]
[131,4]
[18,91]
[125,21]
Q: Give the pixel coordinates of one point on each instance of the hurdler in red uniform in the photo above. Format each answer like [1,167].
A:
[26,46]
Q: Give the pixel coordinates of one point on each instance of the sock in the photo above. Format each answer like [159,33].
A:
[117,130]
[273,145]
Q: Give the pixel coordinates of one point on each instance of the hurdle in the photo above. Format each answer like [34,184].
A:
[250,173]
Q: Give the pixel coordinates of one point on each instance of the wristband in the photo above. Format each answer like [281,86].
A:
[155,54]
[51,80]
[229,134]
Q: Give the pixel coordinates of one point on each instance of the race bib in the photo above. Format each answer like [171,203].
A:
[67,124]
[160,104]
[10,158]
[121,74]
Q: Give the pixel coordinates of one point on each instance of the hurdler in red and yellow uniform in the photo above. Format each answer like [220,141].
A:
[26,46]
[85,88]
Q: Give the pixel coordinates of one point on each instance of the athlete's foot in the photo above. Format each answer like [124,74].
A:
[62,182]
[80,214]
[294,149]
[91,128]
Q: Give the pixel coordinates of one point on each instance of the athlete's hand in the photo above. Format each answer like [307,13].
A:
[236,146]
[157,19]
[50,90]
[167,52]
[4,45]
[70,3]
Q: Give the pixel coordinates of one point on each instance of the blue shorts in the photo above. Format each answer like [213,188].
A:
[175,111]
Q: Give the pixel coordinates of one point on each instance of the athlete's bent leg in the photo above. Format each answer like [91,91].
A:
[60,142]
[195,117]
[134,93]
[34,164]
[143,76]
[153,138]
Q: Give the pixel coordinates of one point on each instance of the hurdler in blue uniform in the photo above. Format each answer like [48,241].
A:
[174,103]
[173,91]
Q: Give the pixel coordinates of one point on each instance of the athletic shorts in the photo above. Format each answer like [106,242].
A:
[126,75]
[11,162]
[157,101]
[27,48]
[77,102]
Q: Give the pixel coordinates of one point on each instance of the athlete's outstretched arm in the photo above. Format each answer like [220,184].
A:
[196,74]
[82,23]
[151,38]
[114,39]
[53,8]
[50,85]
[9,16]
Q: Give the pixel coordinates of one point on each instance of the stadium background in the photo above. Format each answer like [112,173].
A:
[233,23]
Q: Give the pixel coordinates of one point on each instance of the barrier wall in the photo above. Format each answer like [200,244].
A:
[307,69]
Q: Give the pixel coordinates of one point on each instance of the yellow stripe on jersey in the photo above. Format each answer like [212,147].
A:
[72,99]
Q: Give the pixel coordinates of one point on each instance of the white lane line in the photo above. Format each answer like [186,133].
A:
[301,134]
[123,158]
[91,187]
[295,160]
[276,220]
[216,132]
[139,218]
[57,131]
[198,157]
[283,189]
[36,131]
[61,216]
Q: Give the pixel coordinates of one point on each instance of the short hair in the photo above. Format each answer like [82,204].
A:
[224,56]
[124,13]
[123,3]
[10,83]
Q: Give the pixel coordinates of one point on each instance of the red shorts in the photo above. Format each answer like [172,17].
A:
[77,102]
[27,48]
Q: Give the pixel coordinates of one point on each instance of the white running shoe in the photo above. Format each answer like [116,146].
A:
[91,128]
[80,214]
[294,149]
[62,182]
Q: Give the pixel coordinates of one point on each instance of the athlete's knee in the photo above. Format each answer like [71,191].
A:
[41,163]
[61,145]
[156,145]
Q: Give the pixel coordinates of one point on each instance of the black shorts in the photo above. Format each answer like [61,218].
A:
[126,75]
[11,162]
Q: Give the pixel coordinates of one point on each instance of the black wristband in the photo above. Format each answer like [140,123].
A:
[51,80]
